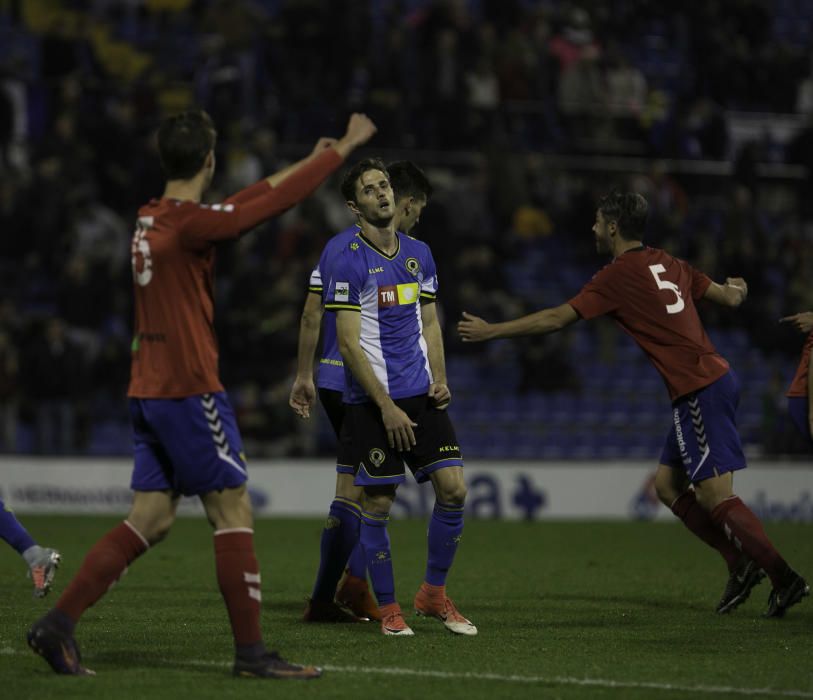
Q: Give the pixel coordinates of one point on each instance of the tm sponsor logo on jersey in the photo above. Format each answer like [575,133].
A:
[397,294]
[342,291]
[375,270]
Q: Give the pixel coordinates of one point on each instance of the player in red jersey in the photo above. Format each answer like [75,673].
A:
[186,438]
[652,296]
[800,393]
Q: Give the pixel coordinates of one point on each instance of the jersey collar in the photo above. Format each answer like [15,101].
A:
[378,250]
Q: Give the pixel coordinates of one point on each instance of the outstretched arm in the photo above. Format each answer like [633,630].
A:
[303,392]
[732,293]
[801,321]
[473,329]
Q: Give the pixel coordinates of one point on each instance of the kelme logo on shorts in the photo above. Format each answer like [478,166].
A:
[412,266]
[377,457]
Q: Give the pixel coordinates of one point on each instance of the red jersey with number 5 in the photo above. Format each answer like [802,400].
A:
[174,352]
[652,295]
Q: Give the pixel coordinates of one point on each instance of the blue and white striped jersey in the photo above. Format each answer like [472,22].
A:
[388,292]
[330,373]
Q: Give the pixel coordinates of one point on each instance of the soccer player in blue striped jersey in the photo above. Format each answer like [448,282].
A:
[383,289]
[339,544]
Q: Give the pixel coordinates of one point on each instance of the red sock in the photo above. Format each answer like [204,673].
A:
[745,530]
[102,567]
[700,523]
[238,575]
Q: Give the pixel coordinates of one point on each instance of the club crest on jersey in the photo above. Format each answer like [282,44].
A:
[342,292]
[377,457]
[413,266]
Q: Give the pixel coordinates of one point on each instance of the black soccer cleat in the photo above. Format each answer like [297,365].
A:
[60,650]
[781,599]
[740,583]
[272,665]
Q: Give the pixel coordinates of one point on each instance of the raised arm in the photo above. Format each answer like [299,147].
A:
[732,293]
[303,391]
[397,423]
[473,329]
[205,225]
[438,390]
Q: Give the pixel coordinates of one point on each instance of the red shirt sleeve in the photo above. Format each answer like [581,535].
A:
[201,225]
[249,193]
[700,283]
[598,296]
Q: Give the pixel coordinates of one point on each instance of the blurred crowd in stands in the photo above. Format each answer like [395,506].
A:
[522,113]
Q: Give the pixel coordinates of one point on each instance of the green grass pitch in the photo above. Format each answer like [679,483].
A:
[565,610]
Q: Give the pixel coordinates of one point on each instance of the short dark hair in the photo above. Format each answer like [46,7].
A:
[629,210]
[352,175]
[408,180]
[184,141]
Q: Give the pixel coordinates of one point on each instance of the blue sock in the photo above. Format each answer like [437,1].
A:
[376,542]
[445,529]
[340,536]
[357,564]
[12,532]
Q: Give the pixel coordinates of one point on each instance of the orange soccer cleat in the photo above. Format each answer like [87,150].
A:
[393,623]
[432,601]
[354,593]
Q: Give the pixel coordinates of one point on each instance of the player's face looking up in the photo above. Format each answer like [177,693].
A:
[375,202]
[410,209]
[602,230]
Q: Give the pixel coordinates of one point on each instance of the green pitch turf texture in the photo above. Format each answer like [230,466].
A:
[564,609]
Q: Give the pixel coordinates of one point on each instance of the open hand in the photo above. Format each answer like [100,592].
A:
[801,322]
[473,329]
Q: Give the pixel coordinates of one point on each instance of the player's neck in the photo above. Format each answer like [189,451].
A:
[622,247]
[184,190]
[382,237]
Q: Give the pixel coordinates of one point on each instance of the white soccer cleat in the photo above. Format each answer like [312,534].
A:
[42,567]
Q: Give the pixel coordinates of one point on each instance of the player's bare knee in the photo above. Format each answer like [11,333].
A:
[345,488]
[712,492]
[378,499]
[453,494]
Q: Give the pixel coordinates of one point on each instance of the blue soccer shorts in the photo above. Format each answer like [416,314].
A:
[704,441]
[191,445]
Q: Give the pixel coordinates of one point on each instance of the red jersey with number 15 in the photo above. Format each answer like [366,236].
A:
[652,295]
[174,352]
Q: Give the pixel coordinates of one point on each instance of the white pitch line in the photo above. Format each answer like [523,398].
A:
[546,680]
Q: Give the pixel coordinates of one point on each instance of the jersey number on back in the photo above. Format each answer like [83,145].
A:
[677,307]
[140,247]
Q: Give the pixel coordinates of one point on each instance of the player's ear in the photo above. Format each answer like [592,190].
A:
[351,205]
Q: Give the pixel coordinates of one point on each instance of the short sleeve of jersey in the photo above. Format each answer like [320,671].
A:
[315,284]
[700,283]
[346,281]
[429,283]
[598,296]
